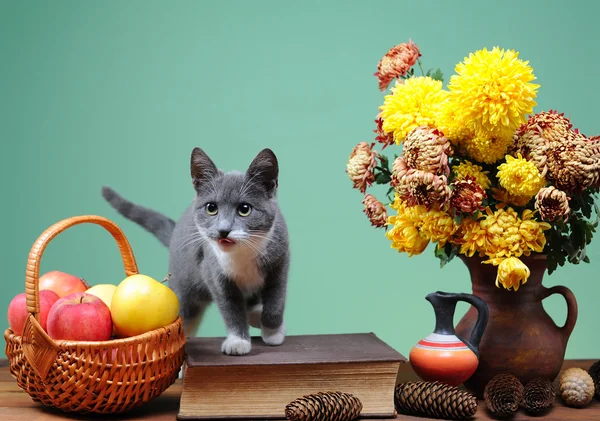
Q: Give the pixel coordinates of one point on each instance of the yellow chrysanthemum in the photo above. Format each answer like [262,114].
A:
[502,233]
[405,234]
[466,168]
[493,92]
[447,123]
[507,199]
[471,238]
[414,103]
[532,233]
[520,177]
[512,273]
[487,149]
[437,226]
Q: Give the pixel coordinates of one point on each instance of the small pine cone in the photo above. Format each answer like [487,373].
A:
[594,373]
[434,399]
[331,406]
[538,396]
[503,395]
[576,387]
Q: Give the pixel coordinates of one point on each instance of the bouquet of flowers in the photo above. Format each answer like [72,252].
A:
[477,172]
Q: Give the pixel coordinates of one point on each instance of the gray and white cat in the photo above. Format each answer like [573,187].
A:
[230,247]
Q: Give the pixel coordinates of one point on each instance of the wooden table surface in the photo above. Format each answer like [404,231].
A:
[16,405]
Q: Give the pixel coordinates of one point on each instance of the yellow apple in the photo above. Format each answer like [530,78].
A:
[140,304]
[104,292]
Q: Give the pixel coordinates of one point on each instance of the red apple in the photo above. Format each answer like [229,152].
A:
[62,283]
[17,310]
[80,317]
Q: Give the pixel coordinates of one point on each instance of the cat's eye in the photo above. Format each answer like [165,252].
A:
[244,209]
[211,208]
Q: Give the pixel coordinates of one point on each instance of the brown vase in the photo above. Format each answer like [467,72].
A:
[520,337]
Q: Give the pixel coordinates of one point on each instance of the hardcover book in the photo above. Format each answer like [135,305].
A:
[260,385]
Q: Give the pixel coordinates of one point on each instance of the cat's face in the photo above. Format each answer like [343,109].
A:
[235,209]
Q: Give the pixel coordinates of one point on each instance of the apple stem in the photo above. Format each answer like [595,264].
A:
[81,300]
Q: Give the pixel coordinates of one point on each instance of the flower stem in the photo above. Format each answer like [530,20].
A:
[420,67]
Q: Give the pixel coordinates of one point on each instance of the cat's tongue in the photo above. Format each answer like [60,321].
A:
[226,242]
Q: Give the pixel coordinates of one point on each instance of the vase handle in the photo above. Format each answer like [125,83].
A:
[572,309]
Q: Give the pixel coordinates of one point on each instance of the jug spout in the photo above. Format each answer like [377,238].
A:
[444,307]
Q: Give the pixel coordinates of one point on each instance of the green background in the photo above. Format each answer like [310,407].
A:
[118,93]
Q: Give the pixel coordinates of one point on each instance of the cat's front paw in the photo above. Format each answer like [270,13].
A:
[234,345]
[275,336]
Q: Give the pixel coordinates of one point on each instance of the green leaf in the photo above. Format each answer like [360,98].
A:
[389,195]
[384,161]
[382,178]
[445,254]
[438,75]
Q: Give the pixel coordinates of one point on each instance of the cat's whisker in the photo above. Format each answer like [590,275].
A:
[255,247]
[196,241]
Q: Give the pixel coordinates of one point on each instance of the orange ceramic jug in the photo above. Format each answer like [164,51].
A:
[443,356]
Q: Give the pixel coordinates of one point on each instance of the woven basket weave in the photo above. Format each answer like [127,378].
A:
[91,377]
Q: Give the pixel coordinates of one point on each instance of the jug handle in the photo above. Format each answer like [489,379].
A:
[572,309]
[483,314]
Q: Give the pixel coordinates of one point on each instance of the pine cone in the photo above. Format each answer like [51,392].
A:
[594,372]
[331,406]
[434,399]
[576,387]
[503,395]
[538,396]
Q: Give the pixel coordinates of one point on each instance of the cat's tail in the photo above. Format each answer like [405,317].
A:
[154,222]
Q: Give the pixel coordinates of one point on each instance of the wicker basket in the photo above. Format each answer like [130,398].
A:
[91,377]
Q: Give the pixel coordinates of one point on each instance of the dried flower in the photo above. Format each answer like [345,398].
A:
[396,63]
[361,163]
[574,165]
[424,188]
[467,169]
[550,125]
[375,211]
[467,196]
[493,92]
[520,177]
[427,149]
[399,170]
[382,137]
[533,147]
[553,204]
[414,103]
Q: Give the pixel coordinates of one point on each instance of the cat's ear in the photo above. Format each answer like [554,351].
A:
[265,169]
[202,168]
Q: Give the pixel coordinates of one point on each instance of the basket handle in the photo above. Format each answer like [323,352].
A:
[32,274]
